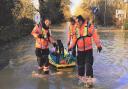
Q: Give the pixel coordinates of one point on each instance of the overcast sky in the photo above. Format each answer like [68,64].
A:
[35,3]
[74,4]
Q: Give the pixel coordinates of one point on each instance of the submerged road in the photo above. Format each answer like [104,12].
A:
[110,66]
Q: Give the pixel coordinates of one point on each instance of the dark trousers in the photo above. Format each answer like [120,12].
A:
[42,57]
[74,51]
[85,63]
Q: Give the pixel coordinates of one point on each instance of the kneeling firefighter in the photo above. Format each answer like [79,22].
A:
[85,33]
[43,37]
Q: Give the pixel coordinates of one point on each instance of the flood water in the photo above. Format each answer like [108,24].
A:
[18,60]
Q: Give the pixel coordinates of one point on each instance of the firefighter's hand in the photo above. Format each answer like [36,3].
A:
[54,45]
[40,36]
[99,49]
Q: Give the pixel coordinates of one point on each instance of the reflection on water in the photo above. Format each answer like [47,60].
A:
[110,67]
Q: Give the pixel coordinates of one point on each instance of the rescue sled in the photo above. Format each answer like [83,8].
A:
[64,62]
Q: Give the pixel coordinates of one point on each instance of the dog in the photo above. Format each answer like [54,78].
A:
[60,47]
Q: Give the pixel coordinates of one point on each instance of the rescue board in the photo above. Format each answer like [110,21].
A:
[62,65]
[59,66]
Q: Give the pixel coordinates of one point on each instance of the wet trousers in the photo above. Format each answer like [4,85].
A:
[85,63]
[42,57]
[74,51]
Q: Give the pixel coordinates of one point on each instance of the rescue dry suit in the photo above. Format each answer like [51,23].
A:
[41,42]
[85,34]
[42,49]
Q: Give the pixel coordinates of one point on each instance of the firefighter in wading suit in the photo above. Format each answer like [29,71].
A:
[72,36]
[85,33]
[43,38]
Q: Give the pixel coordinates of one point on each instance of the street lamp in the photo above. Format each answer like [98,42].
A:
[105,13]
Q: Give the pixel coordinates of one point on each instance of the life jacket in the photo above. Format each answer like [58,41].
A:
[41,42]
[45,33]
[85,35]
[85,32]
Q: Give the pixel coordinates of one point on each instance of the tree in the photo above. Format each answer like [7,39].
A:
[22,11]
[83,9]
[5,12]
[52,10]
[65,6]
[111,7]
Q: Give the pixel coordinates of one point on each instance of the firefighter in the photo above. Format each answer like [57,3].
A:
[43,37]
[85,33]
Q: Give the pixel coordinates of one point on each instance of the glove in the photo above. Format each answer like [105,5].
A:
[99,49]
[40,36]
[54,45]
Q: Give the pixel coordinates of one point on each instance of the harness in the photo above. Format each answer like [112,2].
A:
[44,33]
[85,33]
